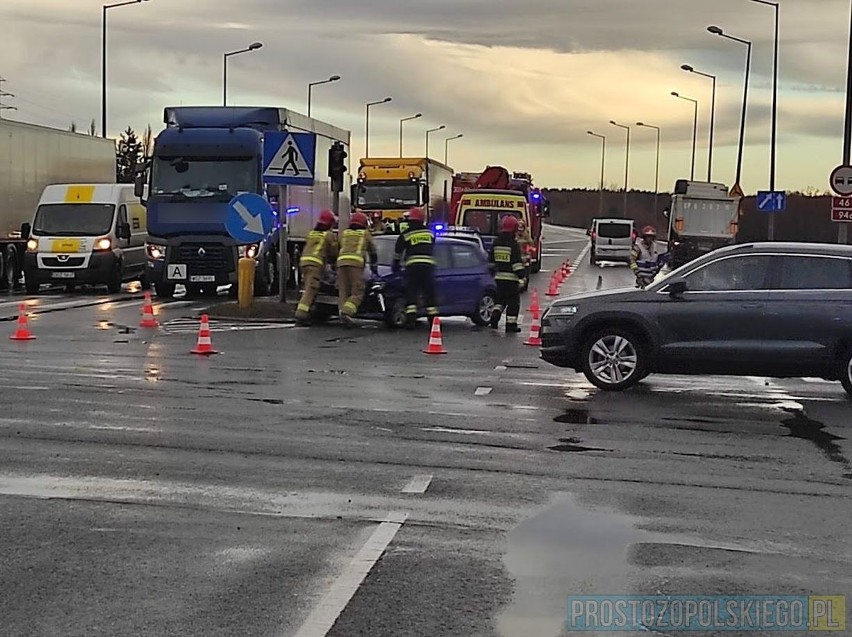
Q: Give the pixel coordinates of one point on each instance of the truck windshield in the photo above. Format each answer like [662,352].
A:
[379,196]
[73,219]
[486,221]
[193,177]
[707,217]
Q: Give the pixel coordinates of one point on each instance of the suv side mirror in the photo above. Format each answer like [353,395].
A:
[26,229]
[122,231]
[677,288]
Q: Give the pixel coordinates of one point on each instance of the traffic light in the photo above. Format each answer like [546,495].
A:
[336,167]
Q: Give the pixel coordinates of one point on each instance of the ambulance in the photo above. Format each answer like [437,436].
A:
[86,234]
[484,209]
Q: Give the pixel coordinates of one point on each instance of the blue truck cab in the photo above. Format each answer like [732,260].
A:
[204,158]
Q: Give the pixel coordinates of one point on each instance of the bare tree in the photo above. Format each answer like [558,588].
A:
[147,143]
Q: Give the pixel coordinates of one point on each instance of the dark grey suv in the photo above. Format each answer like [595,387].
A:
[769,309]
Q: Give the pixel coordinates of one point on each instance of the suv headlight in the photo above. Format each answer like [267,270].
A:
[155,252]
[562,311]
[248,251]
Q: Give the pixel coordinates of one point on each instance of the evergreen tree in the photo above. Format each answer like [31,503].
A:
[128,154]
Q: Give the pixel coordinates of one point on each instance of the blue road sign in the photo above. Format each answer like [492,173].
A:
[768,201]
[289,158]
[250,218]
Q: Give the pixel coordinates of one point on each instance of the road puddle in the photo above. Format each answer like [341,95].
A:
[564,550]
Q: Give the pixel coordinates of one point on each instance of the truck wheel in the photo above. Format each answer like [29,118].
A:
[164,290]
[297,273]
[115,279]
[264,277]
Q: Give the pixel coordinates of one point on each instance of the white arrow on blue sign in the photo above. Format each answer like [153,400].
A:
[250,218]
[769,201]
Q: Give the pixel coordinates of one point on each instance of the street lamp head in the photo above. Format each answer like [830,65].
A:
[688,68]
[334,78]
[613,122]
[418,115]
[640,123]
[715,30]
[675,94]
[386,100]
[254,46]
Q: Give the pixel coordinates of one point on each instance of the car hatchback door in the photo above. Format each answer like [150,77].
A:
[719,322]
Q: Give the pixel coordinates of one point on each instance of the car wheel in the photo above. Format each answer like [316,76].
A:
[846,371]
[613,359]
[115,279]
[395,317]
[164,290]
[484,310]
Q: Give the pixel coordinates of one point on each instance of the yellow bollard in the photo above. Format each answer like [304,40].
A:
[245,285]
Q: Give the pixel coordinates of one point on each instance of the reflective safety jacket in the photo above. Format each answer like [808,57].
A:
[320,248]
[416,245]
[354,243]
[505,253]
[644,261]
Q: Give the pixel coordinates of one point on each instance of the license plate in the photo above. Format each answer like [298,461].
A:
[65,245]
[202,278]
[62,275]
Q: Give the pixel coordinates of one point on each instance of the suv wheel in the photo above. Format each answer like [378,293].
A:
[613,359]
[484,310]
[846,371]
[395,317]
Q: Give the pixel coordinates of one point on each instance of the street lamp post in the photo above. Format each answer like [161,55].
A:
[254,46]
[104,60]
[367,127]
[428,132]
[717,31]
[688,68]
[694,128]
[626,162]
[406,119]
[657,173]
[603,167]
[333,78]
[447,147]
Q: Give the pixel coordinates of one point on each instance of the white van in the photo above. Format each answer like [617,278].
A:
[86,234]
[612,240]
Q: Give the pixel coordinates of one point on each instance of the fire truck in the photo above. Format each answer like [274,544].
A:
[496,179]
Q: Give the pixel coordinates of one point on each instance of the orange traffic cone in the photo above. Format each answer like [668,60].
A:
[204,347]
[534,302]
[534,338]
[553,290]
[436,343]
[148,319]
[23,331]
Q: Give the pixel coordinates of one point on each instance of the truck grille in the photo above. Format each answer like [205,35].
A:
[70,262]
[204,258]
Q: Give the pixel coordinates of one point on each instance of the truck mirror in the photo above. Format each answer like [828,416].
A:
[139,185]
[26,228]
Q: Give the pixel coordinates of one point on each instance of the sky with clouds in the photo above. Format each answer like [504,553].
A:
[522,80]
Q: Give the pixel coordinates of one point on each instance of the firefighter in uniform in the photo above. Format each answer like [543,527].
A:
[505,254]
[525,242]
[645,258]
[320,249]
[355,241]
[416,245]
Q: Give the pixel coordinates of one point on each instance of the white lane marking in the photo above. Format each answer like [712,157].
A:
[465,432]
[501,368]
[582,255]
[482,391]
[325,614]
[418,484]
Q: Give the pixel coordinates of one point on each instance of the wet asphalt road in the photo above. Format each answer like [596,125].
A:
[323,481]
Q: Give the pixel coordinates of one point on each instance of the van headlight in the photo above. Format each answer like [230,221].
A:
[32,245]
[103,244]
[249,251]
[155,252]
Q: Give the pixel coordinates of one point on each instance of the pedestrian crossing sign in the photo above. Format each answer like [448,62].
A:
[289,158]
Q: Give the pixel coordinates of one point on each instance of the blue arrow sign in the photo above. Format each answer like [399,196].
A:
[769,201]
[289,158]
[250,218]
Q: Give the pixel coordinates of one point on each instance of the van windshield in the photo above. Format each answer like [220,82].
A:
[486,221]
[73,219]
[615,230]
